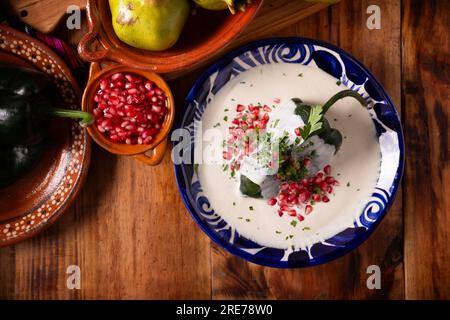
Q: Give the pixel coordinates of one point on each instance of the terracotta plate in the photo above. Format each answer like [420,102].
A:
[205,34]
[41,196]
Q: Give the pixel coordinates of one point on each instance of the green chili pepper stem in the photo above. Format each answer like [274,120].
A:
[341,95]
[86,118]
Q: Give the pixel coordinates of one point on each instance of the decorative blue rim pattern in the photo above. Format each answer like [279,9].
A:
[352,74]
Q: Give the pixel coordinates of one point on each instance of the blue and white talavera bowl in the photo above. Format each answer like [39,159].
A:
[353,75]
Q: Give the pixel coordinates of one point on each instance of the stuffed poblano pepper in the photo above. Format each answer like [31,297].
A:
[26,106]
[18,159]
[305,134]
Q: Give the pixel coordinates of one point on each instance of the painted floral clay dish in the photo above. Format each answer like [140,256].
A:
[300,148]
[41,191]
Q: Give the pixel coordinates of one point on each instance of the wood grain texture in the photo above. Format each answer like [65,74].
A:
[132,237]
[43,15]
[426,88]
[344,25]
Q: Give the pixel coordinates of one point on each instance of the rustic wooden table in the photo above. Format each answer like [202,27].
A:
[132,237]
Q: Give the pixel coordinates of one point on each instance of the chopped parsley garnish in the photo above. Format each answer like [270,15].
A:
[226,110]
[251,208]
[278,232]
[294,223]
[338,82]
[225,167]
[348,184]
[275,124]
[234,203]
[306,229]
[248,220]
[300,74]
[225,118]
[216,125]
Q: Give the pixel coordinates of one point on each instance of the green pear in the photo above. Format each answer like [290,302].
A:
[149,24]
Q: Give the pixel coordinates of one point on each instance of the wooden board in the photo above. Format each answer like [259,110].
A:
[426,93]
[132,237]
[43,15]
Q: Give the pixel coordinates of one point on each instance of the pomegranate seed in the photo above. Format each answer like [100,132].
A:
[327,169]
[292,199]
[298,132]
[316,197]
[330,189]
[306,162]
[293,186]
[240,108]
[272,202]
[305,182]
[148,140]
[148,85]
[267,108]
[117,76]
[308,209]
[304,196]
[292,213]
[329,180]
[323,186]
[280,213]
[300,218]
[227,155]
[104,84]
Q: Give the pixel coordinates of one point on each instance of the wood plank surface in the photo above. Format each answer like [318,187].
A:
[132,237]
[426,92]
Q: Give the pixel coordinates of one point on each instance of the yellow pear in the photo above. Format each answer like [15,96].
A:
[149,24]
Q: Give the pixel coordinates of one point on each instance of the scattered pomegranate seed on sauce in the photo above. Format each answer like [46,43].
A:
[294,195]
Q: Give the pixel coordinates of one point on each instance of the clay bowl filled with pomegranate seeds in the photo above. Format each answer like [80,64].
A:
[133,110]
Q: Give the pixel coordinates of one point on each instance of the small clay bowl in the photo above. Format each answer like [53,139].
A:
[150,154]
